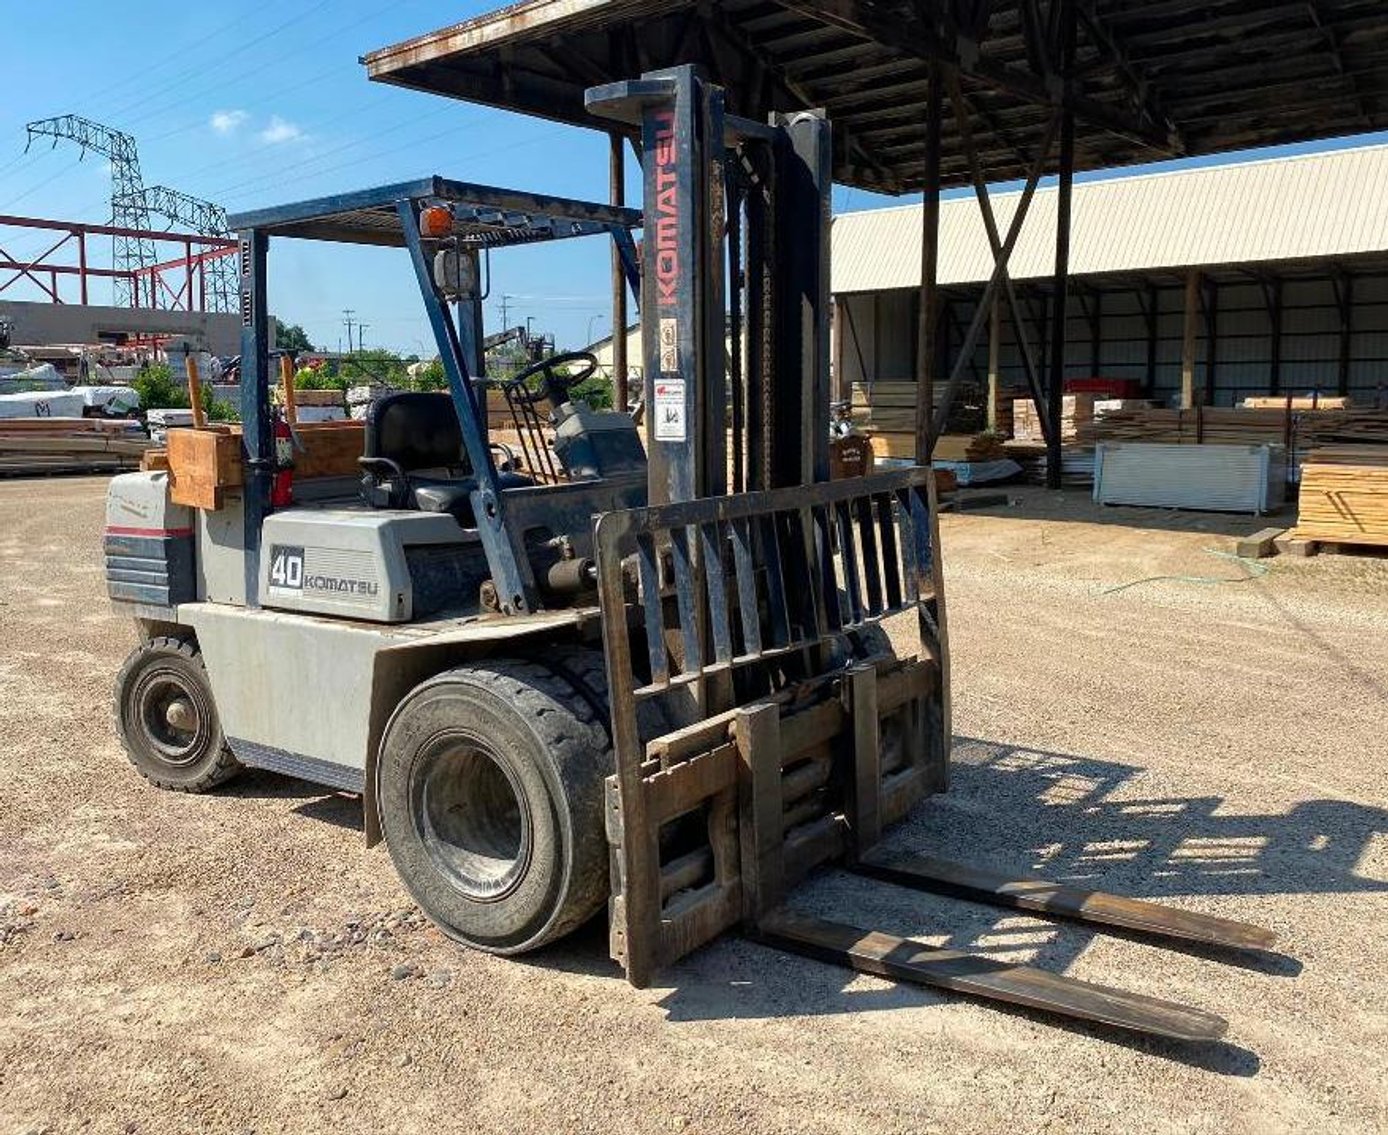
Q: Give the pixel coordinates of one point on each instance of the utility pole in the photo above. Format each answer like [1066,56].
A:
[505,310]
[347,314]
[361,336]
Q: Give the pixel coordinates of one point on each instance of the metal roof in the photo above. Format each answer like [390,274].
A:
[484,216]
[1154,78]
[1309,207]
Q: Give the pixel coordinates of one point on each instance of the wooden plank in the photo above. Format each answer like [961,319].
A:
[759,809]
[673,792]
[1041,896]
[901,959]
[1260,545]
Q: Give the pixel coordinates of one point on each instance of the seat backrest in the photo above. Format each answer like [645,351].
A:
[416,430]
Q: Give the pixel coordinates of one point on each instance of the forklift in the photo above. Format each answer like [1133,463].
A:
[672,676]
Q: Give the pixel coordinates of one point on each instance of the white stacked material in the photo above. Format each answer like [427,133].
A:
[41,404]
[360,397]
[1214,478]
[114,401]
[321,414]
[38,377]
[159,422]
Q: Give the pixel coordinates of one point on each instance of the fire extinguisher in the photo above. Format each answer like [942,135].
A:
[282,490]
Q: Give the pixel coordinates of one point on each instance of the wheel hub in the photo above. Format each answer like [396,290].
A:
[473,820]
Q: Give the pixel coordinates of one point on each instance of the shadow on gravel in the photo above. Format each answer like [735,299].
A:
[315,801]
[1071,819]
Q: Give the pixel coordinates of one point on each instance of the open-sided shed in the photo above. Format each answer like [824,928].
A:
[925,94]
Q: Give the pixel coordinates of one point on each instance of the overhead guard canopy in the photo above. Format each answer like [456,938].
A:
[484,216]
[1154,78]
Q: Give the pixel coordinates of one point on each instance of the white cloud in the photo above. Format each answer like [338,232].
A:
[226,121]
[280,131]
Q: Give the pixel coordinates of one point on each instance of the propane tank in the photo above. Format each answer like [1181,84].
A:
[282,490]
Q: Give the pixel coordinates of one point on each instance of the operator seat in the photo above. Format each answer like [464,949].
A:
[413,457]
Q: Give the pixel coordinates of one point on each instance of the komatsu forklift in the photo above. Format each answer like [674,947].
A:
[670,672]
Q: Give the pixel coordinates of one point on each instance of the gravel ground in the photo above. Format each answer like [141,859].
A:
[239,962]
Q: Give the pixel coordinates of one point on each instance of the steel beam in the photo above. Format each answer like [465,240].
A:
[617,196]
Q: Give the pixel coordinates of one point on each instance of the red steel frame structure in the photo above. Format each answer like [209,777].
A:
[150,287]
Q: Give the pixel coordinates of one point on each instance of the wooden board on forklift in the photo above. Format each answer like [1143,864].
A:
[204,463]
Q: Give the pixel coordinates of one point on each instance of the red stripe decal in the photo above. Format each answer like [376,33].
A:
[122,530]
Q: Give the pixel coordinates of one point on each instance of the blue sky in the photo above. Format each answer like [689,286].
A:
[251,104]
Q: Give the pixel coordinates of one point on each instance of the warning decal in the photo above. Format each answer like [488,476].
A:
[669,410]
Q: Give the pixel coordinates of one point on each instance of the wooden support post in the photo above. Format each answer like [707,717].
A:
[617,196]
[291,406]
[1345,294]
[757,732]
[1064,198]
[994,354]
[865,795]
[1153,315]
[1275,319]
[930,252]
[1211,340]
[190,367]
[1096,333]
[1192,310]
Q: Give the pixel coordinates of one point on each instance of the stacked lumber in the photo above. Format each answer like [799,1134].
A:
[969,447]
[1344,496]
[30,446]
[1299,431]
[1076,420]
[1311,402]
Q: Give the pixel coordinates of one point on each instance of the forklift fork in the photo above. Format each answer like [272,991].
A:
[738,594]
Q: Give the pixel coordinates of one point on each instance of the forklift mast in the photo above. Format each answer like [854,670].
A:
[735,287]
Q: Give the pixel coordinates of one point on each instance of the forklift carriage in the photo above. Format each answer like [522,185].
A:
[655,678]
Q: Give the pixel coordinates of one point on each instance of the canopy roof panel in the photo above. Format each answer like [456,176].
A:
[1154,78]
[484,216]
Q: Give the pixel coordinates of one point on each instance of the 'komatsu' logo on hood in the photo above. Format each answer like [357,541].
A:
[333,583]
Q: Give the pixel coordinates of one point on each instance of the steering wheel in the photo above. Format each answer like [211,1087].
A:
[552,385]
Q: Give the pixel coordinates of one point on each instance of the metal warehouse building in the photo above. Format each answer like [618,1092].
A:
[1207,285]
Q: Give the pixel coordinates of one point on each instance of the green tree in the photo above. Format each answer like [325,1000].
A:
[290,336]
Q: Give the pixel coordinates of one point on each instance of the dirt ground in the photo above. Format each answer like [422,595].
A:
[1132,712]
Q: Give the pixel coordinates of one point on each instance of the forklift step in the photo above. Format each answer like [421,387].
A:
[902,959]
[1039,896]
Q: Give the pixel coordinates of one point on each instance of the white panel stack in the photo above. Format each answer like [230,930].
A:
[1213,478]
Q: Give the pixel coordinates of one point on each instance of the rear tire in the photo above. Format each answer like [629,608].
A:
[491,795]
[167,720]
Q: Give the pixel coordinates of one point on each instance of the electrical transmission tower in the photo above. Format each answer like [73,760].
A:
[132,204]
[207,219]
[128,208]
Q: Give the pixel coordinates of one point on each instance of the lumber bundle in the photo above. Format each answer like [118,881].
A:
[1344,496]
[1311,402]
[1076,420]
[69,445]
[1298,431]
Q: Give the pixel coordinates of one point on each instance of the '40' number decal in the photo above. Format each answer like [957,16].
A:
[287,567]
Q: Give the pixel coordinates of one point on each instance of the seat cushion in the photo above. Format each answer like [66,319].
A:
[428,494]
[452,497]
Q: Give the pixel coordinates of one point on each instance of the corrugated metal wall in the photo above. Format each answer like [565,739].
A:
[878,337]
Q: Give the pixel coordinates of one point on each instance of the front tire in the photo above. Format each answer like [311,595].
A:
[167,720]
[490,789]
